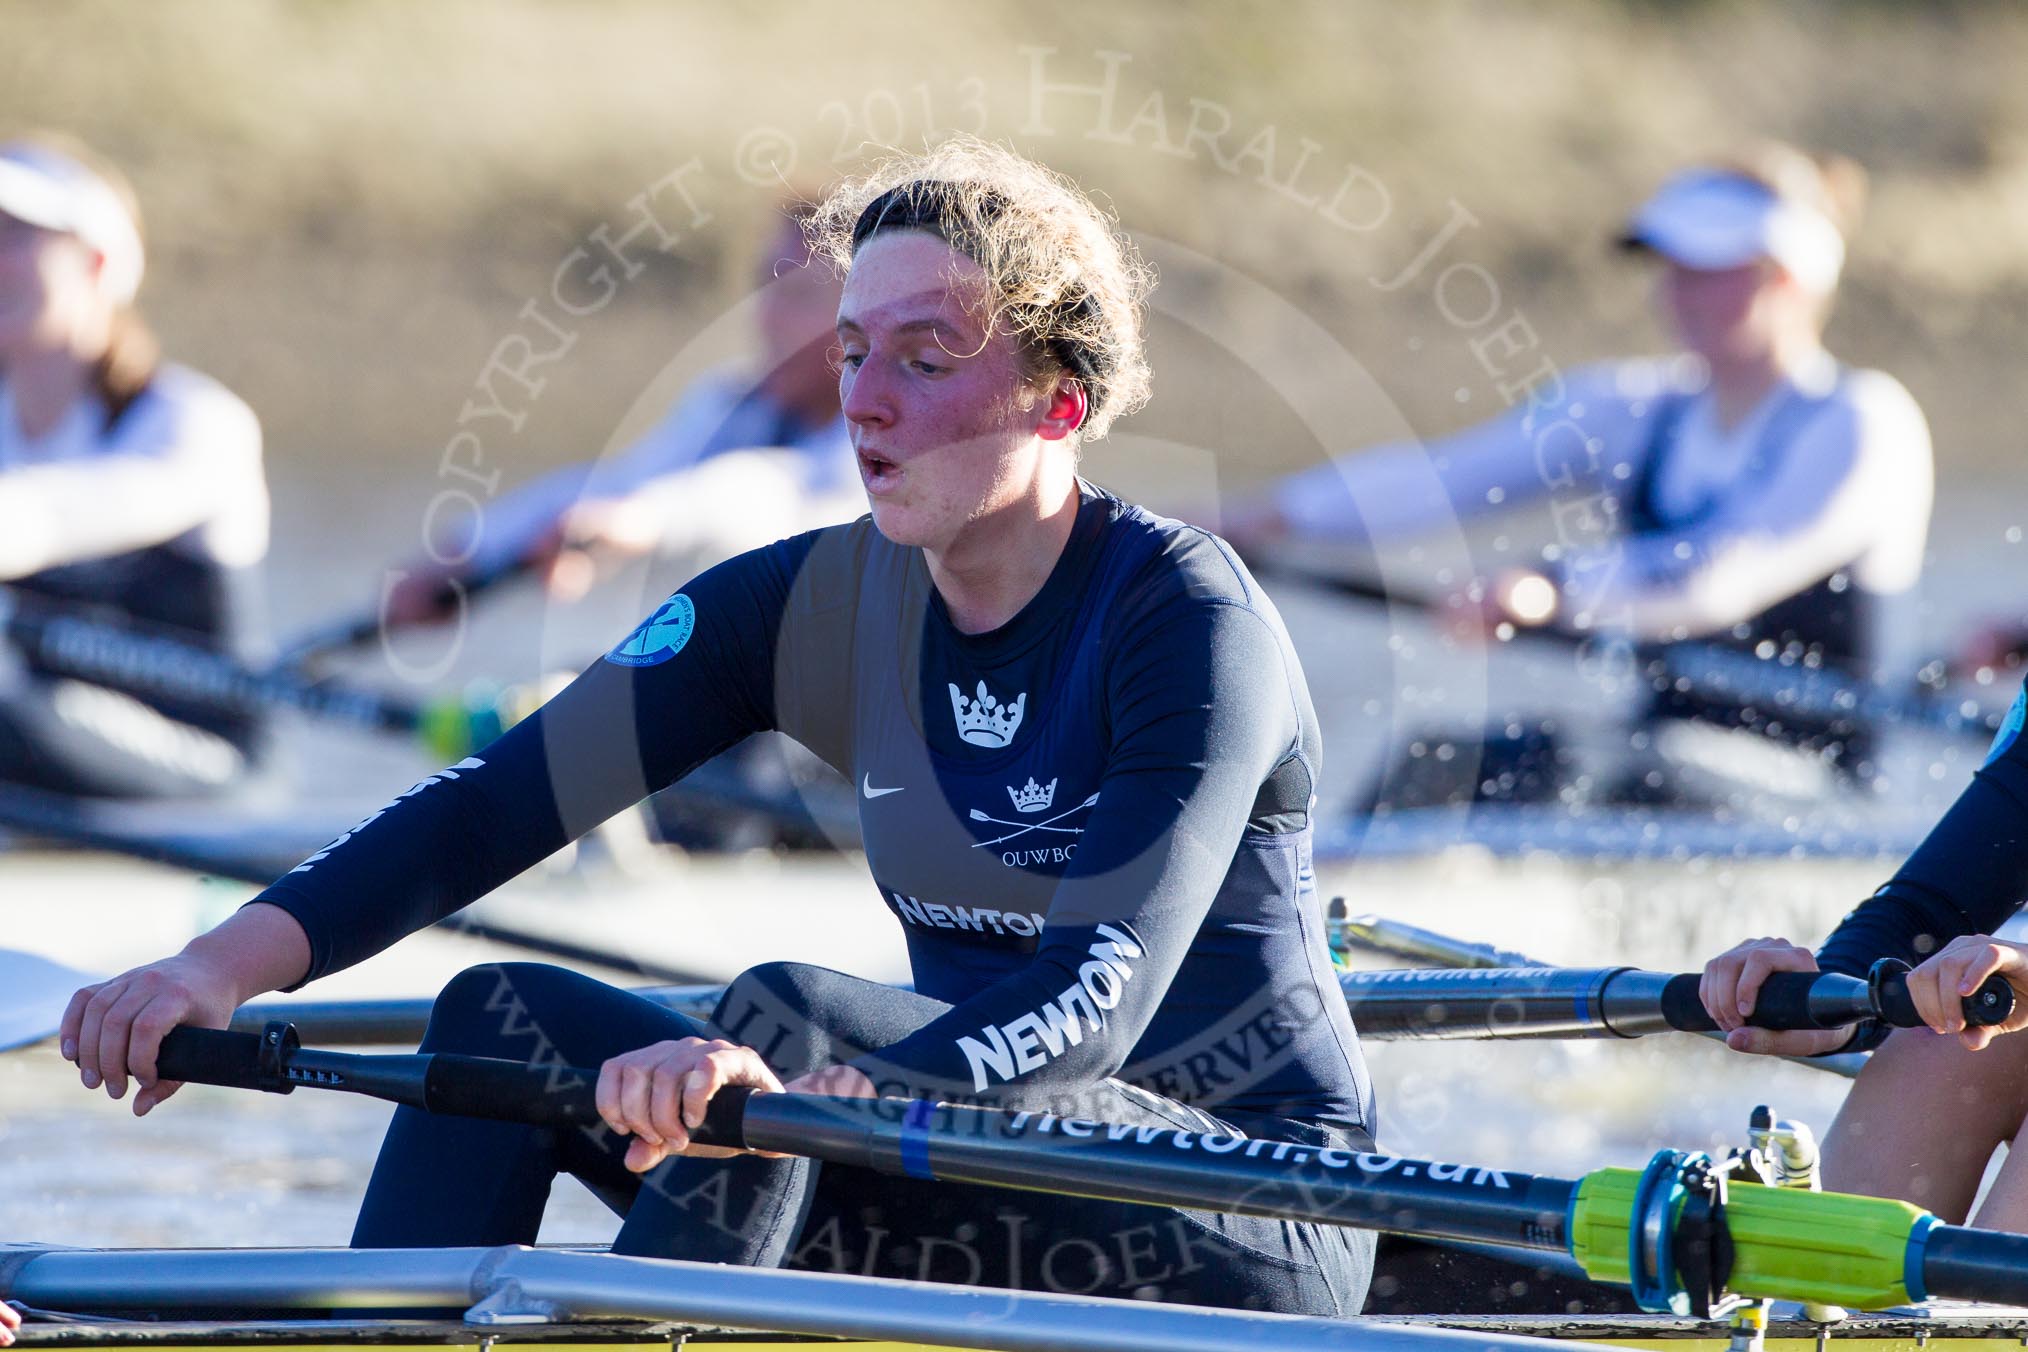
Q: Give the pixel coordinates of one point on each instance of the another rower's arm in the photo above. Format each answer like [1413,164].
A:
[186,456]
[1555,447]
[1201,709]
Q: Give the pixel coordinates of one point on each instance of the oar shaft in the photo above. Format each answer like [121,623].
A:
[1566,1002]
[1159,1166]
[1960,1263]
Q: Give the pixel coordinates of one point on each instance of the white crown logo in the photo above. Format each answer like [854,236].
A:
[1032,797]
[985,721]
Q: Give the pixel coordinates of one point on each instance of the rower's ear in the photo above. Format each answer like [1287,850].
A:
[1065,411]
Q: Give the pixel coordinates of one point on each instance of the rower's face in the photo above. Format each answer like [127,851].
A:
[946,423]
[48,281]
[1725,313]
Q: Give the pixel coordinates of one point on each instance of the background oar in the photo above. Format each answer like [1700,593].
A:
[1535,1002]
[1697,1241]
[1779,686]
[1396,939]
[167,666]
[449,726]
[328,640]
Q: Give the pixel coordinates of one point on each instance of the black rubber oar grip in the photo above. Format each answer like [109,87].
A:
[1790,1001]
[1783,1003]
[208,1056]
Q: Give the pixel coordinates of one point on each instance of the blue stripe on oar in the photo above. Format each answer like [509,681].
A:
[915,1124]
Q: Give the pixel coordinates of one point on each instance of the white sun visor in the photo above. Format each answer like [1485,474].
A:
[1707,218]
[55,192]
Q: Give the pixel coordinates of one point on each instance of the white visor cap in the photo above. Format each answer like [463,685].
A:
[1711,219]
[55,192]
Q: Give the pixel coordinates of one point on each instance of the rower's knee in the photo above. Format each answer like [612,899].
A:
[481,1007]
[769,1008]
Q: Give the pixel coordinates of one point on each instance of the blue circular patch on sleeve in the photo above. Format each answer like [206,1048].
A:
[660,637]
[2011,729]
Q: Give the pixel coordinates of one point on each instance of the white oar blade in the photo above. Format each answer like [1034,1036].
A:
[33,994]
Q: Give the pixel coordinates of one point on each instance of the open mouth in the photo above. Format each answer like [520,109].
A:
[876,469]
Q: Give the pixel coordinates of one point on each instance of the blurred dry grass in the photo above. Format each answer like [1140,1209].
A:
[350,201]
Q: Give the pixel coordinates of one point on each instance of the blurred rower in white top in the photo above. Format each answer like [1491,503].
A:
[750,453]
[1750,490]
[129,488]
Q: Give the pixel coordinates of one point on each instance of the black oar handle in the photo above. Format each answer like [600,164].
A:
[1817,1000]
[208,1056]
[552,1095]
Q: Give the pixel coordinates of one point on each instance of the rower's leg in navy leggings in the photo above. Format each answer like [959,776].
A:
[750,1210]
[444,1181]
[462,1181]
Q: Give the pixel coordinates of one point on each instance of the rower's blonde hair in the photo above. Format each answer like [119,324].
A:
[1833,184]
[1060,276]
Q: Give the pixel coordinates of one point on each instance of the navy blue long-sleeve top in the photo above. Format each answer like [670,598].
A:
[1093,823]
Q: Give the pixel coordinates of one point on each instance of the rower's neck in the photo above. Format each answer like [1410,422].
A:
[999,563]
[43,384]
[1738,387]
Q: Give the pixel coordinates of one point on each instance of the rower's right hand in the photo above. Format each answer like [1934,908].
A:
[1731,986]
[10,1320]
[114,1029]
[1940,986]
[657,1094]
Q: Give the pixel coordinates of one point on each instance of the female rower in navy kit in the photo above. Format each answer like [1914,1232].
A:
[1932,1105]
[130,489]
[1752,491]
[1085,755]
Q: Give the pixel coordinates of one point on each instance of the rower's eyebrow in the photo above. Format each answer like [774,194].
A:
[932,324]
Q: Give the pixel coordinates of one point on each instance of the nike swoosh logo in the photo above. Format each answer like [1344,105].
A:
[866,787]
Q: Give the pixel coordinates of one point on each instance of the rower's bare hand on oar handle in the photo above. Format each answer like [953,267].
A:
[657,1094]
[10,1320]
[1731,986]
[1939,986]
[113,1030]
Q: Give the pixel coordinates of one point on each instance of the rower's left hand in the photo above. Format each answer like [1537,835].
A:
[10,1320]
[657,1094]
[1942,982]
